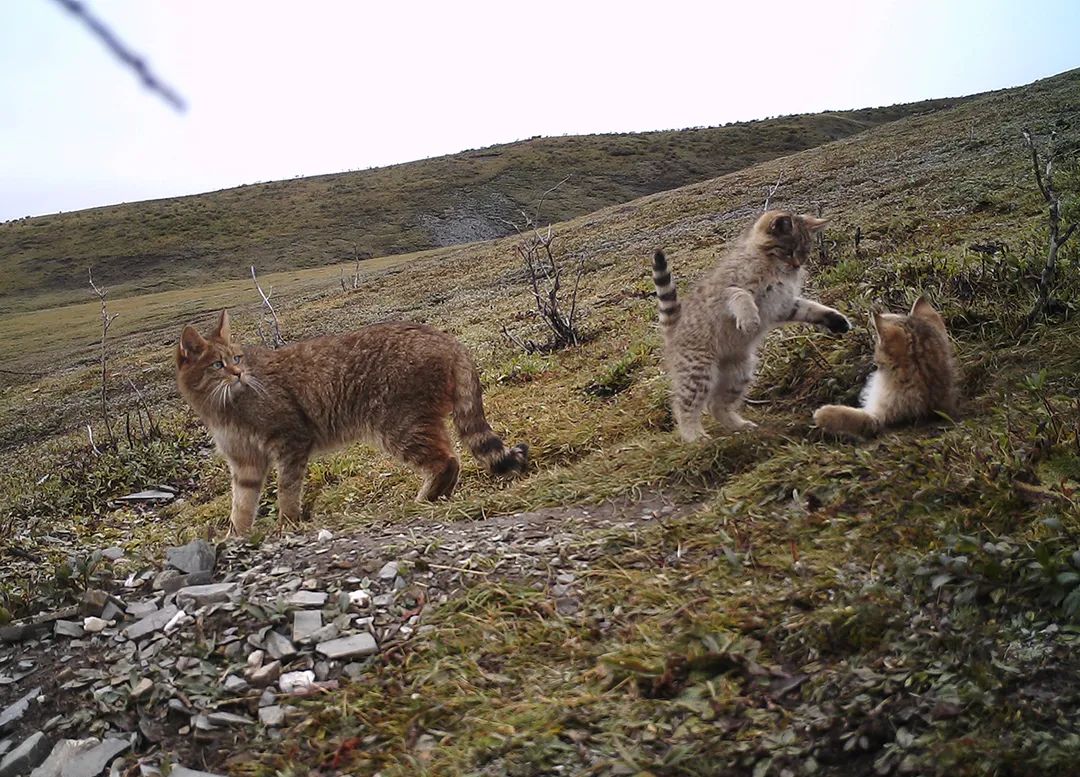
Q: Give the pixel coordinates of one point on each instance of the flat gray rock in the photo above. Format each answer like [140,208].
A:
[202,595]
[14,712]
[389,571]
[279,646]
[80,760]
[196,556]
[306,599]
[33,750]
[346,647]
[142,609]
[68,629]
[174,584]
[229,719]
[151,623]
[272,716]
[305,623]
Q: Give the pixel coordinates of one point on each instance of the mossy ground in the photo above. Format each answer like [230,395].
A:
[906,605]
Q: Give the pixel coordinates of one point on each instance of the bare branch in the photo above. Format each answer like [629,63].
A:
[278,340]
[1068,233]
[106,322]
[536,218]
[1035,164]
[772,191]
[123,53]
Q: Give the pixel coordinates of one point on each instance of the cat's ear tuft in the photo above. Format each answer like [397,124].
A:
[781,225]
[924,310]
[876,320]
[813,223]
[191,345]
[223,332]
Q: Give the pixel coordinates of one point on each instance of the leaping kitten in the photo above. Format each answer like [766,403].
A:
[916,376]
[391,384]
[711,339]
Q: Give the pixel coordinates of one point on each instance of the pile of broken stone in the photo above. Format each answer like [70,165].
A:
[206,646]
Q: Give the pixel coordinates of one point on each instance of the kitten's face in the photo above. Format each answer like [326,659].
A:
[212,367]
[787,237]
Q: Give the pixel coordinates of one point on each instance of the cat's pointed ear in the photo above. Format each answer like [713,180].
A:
[781,225]
[813,223]
[924,310]
[876,320]
[223,332]
[191,345]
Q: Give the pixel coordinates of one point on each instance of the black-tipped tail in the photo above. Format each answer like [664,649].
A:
[666,298]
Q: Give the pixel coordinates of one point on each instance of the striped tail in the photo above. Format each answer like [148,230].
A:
[475,432]
[665,292]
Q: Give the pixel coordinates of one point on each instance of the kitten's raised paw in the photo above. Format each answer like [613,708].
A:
[837,322]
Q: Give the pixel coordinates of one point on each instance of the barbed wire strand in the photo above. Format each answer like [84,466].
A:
[124,54]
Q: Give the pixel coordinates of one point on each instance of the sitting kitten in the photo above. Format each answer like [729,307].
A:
[916,376]
[393,384]
[711,339]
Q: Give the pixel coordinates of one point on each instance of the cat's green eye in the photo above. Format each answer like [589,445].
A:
[236,359]
[218,364]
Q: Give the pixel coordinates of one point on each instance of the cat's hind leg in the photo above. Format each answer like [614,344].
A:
[690,390]
[426,447]
[725,399]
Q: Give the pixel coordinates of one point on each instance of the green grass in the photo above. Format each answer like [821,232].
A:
[915,589]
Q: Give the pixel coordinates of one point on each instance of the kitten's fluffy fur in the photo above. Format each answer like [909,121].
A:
[392,384]
[916,376]
[711,339]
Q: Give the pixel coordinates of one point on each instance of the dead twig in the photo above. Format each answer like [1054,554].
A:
[1044,178]
[106,322]
[274,340]
[772,191]
[545,270]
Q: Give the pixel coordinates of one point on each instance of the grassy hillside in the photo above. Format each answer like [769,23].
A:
[190,241]
[907,605]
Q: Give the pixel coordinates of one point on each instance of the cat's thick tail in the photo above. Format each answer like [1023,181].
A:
[846,421]
[666,298]
[473,429]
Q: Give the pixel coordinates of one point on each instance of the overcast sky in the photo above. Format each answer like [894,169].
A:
[279,89]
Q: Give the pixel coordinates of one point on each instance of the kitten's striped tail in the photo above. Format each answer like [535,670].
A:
[665,292]
[473,429]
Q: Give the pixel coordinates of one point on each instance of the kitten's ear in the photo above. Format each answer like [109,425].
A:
[876,320]
[813,223]
[924,310]
[781,225]
[191,345]
[223,331]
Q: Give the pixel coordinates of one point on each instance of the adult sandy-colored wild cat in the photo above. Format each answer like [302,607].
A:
[916,375]
[711,338]
[393,384]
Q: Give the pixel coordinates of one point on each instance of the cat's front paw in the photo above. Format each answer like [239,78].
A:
[837,322]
